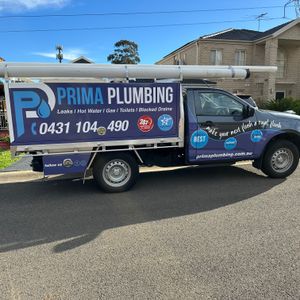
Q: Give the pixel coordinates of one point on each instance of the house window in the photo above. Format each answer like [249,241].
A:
[175,60]
[281,63]
[184,59]
[279,95]
[178,60]
[216,56]
[240,57]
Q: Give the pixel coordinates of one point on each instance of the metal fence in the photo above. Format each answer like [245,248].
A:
[3,115]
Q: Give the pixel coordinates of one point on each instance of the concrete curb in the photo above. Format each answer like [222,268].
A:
[24,176]
[19,176]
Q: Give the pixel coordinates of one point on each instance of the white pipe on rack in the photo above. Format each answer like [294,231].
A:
[42,70]
[252,69]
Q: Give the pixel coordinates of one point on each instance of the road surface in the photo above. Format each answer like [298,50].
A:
[195,233]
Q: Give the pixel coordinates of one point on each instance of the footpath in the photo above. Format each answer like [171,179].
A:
[19,171]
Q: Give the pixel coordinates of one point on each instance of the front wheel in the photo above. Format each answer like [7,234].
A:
[115,172]
[281,159]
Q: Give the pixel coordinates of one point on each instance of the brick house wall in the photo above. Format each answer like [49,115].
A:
[263,50]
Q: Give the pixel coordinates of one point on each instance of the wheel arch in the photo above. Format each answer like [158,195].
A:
[292,136]
[115,153]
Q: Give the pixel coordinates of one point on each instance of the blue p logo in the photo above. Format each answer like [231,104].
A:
[28,101]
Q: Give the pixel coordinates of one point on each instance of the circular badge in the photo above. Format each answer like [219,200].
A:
[256,136]
[199,139]
[68,163]
[230,143]
[101,130]
[145,123]
[165,122]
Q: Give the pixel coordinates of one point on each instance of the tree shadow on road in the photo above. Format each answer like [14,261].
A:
[35,213]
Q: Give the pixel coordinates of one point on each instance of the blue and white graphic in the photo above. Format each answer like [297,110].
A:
[165,122]
[63,164]
[199,139]
[32,104]
[256,136]
[230,143]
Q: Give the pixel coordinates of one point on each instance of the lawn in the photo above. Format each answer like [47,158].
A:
[5,159]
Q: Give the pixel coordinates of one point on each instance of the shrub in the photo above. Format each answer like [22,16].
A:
[283,105]
[5,139]
[297,107]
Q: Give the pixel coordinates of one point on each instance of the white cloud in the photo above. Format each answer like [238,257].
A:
[69,54]
[17,5]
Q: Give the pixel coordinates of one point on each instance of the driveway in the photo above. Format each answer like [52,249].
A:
[195,233]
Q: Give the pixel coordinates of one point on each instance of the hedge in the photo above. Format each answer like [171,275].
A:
[283,105]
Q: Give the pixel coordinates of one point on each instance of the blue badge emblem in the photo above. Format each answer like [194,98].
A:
[199,139]
[230,143]
[256,136]
[165,122]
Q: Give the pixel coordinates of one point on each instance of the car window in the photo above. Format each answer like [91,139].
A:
[216,104]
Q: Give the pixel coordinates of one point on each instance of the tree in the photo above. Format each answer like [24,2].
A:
[126,52]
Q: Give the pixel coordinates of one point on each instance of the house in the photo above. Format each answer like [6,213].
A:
[277,46]
[81,60]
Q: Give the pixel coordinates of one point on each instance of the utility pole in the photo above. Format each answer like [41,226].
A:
[259,18]
[59,55]
[297,7]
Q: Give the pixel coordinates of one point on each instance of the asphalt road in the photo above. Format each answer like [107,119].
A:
[212,233]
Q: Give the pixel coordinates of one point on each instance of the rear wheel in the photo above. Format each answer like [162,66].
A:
[281,159]
[115,172]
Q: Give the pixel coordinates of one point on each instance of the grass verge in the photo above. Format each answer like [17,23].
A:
[5,159]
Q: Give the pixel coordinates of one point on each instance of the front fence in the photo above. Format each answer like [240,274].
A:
[3,115]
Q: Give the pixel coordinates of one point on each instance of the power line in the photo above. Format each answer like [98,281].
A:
[259,18]
[127,27]
[137,12]
[296,5]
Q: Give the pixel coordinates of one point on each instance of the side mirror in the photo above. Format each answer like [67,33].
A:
[249,111]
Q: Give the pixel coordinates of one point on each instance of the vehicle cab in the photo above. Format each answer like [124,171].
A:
[221,127]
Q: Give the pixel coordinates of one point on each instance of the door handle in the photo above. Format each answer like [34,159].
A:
[208,123]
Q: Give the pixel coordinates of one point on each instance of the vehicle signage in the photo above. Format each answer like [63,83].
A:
[65,164]
[45,113]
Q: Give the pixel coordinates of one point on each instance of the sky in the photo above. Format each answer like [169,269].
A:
[189,19]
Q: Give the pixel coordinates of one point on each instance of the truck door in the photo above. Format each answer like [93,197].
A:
[224,130]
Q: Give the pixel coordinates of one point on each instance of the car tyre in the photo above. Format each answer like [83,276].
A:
[281,159]
[115,172]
